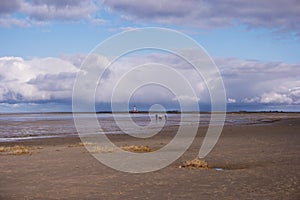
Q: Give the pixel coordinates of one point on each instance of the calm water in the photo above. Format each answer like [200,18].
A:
[30,126]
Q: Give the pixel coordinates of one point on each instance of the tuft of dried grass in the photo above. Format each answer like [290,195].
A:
[15,150]
[2,149]
[103,149]
[81,144]
[195,164]
[139,149]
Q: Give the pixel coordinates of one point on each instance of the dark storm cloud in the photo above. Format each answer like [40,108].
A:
[9,6]
[47,10]
[280,15]
[54,82]
[57,3]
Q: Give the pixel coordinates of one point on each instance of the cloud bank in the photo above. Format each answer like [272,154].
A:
[52,79]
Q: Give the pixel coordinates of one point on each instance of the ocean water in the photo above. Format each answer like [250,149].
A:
[26,126]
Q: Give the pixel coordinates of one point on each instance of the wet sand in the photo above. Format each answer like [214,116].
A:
[260,161]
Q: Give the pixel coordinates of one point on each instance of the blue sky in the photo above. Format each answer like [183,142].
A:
[255,44]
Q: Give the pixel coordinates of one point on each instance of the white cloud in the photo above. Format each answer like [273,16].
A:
[252,81]
[251,100]
[274,97]
[11,22]
[231,100]
[37,79]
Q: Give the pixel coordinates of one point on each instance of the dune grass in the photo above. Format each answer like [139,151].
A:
[15,150]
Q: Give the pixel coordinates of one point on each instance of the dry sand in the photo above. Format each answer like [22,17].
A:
[259,162]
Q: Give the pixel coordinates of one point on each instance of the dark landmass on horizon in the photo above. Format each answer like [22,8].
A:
[152,112]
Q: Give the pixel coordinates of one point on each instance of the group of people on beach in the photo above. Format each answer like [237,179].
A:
[161,117]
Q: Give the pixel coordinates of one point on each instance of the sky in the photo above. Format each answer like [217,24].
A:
[255,45]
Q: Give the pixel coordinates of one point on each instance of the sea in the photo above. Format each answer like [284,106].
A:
[27,126]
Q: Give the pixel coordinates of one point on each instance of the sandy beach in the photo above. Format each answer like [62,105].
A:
[258,161]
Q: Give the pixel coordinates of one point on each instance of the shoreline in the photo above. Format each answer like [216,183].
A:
[250,119]
[66,139]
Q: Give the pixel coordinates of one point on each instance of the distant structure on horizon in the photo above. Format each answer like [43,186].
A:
[134,110]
